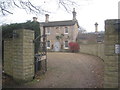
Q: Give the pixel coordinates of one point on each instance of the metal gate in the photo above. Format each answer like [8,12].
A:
[41,56]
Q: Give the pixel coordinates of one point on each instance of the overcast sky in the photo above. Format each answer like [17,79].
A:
[89,12]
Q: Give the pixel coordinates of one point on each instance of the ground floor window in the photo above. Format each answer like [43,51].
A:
[48,44]
[66,45]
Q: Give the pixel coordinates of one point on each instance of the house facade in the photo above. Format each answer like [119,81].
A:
[60,33]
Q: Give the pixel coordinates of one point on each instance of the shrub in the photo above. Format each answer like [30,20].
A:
[74,47]
[7,31]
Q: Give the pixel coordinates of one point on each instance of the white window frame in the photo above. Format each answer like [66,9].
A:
[66,28]
[65,46]
[57,30]
[48,29]
[47,44]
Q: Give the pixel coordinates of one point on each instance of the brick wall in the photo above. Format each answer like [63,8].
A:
[19,56]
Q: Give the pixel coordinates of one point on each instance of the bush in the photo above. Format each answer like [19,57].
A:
[74,47]
[7,30]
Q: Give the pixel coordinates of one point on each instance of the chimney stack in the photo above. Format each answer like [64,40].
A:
[96,27]
[74,14]
[47,17]
[35,19]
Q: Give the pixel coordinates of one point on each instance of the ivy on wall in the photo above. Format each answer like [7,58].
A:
[7,30]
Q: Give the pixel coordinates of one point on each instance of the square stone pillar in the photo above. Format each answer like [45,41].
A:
[23,55]
[8,56]
[111,70]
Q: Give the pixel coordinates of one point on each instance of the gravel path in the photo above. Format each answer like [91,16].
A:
[71,70]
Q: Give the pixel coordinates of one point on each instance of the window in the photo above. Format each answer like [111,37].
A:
[48,30]
[48,44]
[57,30]
[66,30]
[66,45]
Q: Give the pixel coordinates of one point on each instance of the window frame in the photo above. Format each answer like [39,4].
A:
[66,29]
[47,44]
[57,30]
[65,45]
[48,29]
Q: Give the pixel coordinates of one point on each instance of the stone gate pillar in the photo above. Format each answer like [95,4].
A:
[23,55]
[112,53]
[19,55]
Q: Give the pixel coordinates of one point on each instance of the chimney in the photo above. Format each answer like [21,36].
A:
[47,17]
[96,27]
[74,14]
[35,19]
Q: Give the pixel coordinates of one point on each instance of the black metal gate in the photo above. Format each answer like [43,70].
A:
[41,56]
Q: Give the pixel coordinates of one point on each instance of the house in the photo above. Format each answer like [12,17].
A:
[60,33]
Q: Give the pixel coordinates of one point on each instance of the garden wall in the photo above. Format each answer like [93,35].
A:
[109,52]
[93,49]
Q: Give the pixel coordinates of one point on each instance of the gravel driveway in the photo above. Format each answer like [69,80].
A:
[71,70]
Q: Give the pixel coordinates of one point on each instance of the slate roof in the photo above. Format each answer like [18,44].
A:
[59,23]
[91,37]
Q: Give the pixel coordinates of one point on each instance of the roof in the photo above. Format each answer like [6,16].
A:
[59,23]
[91,37]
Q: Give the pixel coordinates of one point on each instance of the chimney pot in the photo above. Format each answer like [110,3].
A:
[74,14]
[47,17]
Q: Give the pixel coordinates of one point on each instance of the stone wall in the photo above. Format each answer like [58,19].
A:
[111,59]
[93,49]
[108,53]
[8,57]
[19,56]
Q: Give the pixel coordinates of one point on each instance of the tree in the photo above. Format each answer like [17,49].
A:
[29,6]
[82,30]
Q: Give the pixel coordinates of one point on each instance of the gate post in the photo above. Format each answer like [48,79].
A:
[23,56]
[111,69]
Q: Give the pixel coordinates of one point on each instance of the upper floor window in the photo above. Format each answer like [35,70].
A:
[57,30]
[66,30]
[48,30]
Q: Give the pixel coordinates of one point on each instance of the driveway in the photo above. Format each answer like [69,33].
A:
[70,70]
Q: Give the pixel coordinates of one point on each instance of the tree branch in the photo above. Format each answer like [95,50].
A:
[28,6]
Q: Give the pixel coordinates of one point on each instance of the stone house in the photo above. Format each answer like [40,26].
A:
[60,33]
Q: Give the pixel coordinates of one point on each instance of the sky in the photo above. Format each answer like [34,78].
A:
[88,13]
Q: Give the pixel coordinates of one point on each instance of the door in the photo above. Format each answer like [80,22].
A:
[56,46]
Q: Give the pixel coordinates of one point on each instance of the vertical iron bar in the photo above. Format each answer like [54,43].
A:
[44,47]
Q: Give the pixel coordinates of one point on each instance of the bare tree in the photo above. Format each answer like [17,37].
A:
[7,5]
[82,30]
